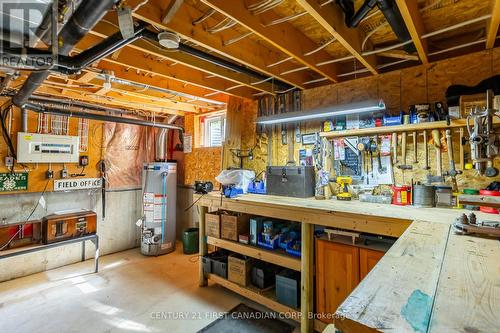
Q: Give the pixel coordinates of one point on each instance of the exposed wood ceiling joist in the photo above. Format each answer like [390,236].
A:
[138,60]
[331,19]
[147,78]
[122,92]
[493,24]
[246,51]
[103,30]
[413,20]
[284,37]
[47,90]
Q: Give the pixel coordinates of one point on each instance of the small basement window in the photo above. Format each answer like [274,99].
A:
[211,130]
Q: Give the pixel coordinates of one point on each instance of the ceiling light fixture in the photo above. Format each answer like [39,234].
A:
[169,40]
[338,110]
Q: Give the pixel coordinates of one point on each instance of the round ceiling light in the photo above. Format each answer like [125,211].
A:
[169,40]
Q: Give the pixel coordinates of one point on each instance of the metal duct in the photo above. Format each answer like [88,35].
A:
[103,49]
[153,36]
[390,11]
[84,18]
[161,141]
[24,120]
[66,110]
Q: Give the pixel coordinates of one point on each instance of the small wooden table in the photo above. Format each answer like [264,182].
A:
[37,248]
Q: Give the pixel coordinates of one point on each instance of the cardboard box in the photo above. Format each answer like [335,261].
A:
[234,225]
[212,224]
[239,269]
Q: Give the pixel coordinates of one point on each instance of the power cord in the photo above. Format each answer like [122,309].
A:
[27,219]
[194,203]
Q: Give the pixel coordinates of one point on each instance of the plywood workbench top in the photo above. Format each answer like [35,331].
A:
[431,280]
[355,207]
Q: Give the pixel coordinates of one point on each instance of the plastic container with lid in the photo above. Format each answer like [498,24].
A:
[489,210]
[444,196]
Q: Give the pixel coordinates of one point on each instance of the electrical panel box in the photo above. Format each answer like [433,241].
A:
[47,148]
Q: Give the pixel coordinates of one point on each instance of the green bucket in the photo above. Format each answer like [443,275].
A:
[190,241]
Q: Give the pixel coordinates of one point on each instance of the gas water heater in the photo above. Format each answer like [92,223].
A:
[159,187]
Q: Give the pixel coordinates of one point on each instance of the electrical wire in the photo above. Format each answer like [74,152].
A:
[194,203]
[27,219]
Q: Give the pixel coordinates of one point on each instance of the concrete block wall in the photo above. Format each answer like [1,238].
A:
[117,231]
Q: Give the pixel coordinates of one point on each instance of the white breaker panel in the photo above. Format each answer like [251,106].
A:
[47,148]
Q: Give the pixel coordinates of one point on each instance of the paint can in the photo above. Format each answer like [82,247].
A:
[401,195]
[423,195]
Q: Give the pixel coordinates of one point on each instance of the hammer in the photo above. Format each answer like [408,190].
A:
[404,166]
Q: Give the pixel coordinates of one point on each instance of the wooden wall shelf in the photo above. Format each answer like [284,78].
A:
[274,257]
[398,128]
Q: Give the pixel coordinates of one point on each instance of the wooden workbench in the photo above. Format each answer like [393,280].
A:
[431,280]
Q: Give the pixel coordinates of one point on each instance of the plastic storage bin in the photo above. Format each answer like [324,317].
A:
[288,288]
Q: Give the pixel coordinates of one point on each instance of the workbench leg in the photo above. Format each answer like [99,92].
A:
[306,265]
[202,211]
[96,257]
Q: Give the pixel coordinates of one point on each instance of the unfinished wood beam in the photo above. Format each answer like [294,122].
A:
[399,54]
[117,92]
[493,23]
[246,51]
[284,37]
[138,60]
[131,74]
[413,20]
[103,30]
[172,8]
[331,19]
[50,91]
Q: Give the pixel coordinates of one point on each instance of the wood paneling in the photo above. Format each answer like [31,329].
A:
[36,177]
[337,274]
[398,89]
[367,260]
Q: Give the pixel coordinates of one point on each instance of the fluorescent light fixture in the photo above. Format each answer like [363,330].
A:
[337,110]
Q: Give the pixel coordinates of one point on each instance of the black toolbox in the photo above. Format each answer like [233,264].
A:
[290,181]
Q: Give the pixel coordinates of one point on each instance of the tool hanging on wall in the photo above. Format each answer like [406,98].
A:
[484,141]
[437,146]
[394,148]
[426,152]
[403,167]
[415,148]
[452,172]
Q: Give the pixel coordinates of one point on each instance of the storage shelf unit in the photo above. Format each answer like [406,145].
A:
[274,257]
[398,128]
[265,298]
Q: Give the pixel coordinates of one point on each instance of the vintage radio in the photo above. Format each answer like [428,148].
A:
[58,227]
[19,234]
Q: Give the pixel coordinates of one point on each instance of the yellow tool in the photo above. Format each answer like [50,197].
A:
[344,182]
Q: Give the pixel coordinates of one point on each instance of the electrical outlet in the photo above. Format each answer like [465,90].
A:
[84,160]
[64,173]
[49,174]
[9,161]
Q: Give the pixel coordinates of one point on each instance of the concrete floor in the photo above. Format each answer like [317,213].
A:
[131,293]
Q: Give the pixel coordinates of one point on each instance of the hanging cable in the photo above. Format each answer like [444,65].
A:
[237,39]
[285,19]
[319,48]
[202,18]
[222,25]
